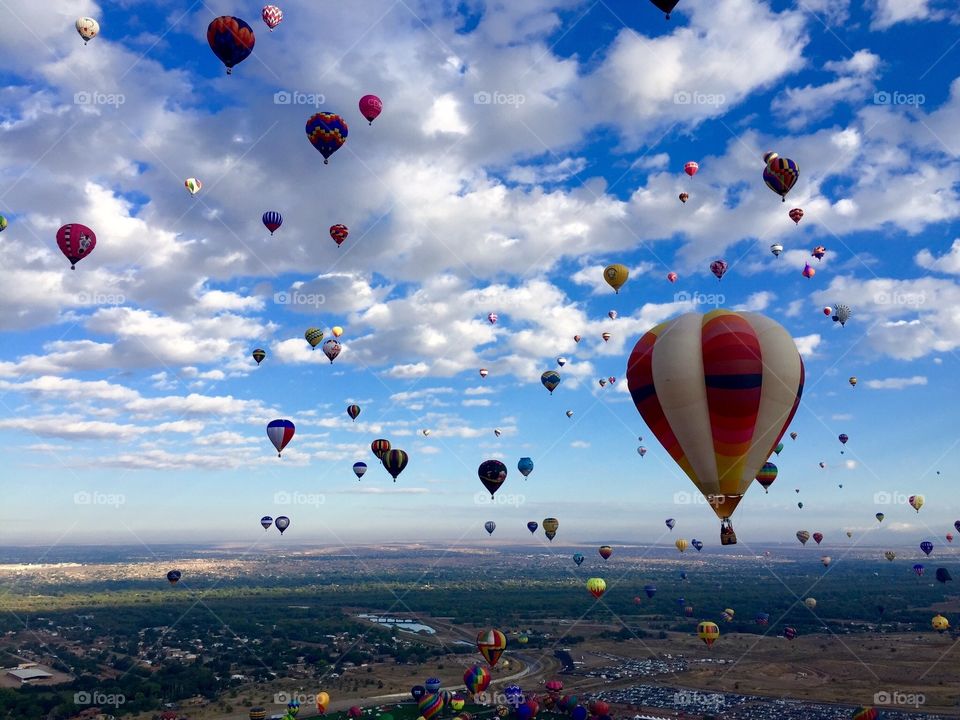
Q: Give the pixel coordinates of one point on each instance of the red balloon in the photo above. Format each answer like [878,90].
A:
[339,233]
[370,107]
[76,241]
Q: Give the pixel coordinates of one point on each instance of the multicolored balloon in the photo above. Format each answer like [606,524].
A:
[550,526]
[578,559]
[272,220]
[76,241]
[491,644]
[550,379]
[718,268]
[353,411]
[708,632]
[532,526]
[380,447]
[332,348]
[327,132]
[766,476]
[359,469]
[173,577]
[596,587]
[272,16]
[87,28]
[780,174]
[339,233]
[492,474]
[231,40]
[259,355]
[605,551]
[691,168]
[477,679]
[266,521]
[313,336]
[395,461]
[796,215]
[280,433]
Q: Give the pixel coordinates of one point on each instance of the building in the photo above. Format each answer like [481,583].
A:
[29,675]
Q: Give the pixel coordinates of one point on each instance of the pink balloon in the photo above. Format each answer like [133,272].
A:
[76,241]
[370,107]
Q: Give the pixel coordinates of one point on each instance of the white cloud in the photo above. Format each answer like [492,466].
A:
[949,262]
[808,344]
[896,383]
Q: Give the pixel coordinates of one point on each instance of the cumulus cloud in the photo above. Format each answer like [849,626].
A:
[896,383]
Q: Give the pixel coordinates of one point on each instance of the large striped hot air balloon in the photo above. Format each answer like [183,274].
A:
[718,391]
[491,644]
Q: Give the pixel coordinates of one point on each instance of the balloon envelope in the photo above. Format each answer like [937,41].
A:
[231,40]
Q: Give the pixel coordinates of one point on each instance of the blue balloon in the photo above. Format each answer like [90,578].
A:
[432,684]
[231,40]
[650,590]
[525,466]
[927,547]
[418,691]
[579,713]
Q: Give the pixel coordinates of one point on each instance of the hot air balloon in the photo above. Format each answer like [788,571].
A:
[359,469]
[650,590]
[258,713]
[866,713]
[853,381]
[337,331]
[569,413]
[578,559]
[272,220]
[681,544]
[550,526]
[355,712]
[603,382]
[380,447]
[779,448]
[927,547]
[718,391]
[843,438]
[789,633]
[394,461]
[429,705]
[697,545]
[827,310]
[280,433]
[497,432]
[561,361]
[672,277]
[616,275]
[800,505]
[880,517]
[849,534]
[484,372]
[818,252]
[3,223]
[776,249]
[596,587]
[670,523]
[818,537]
[576,338]
[313,336]
[940,624]
[823,464]
[476,679]
[331,348]
[525,466]
[691,168]
[641,451]
[87,28]
[174,576]
[490,526]
[259,355]
[76,241]
[810,603]
[327,132]
[949,537]
[353,411]
[766,476]
[231,40]
[492,474]
[803,536]
[684,197]
[613,315]
[728,614]
[780,174]
[272,16]
[918,569]
[841,313]
[666,5]
[491,644]
[370,107]
[266,521]
[282,523]
[762,619]
[606,336]
[323,700]
[916,502]
[826,560]
[708,632]
[956,525]
[796,215]
[605,551]
[890,555]
[492,318]
[532,526]
[550,379]
[718,268]
[417,692]
[339,233]
[808,272]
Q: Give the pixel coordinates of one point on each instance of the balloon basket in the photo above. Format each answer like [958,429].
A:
[727,535]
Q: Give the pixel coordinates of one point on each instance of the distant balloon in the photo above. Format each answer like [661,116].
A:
[681,544]
[550,379]
[280,433]
[650,590]
[497,432]
[697,544]
[327,132]
[780,174]
[818,537]
[174,576]
[672,277]
[827,310]
[691,168]
[339,233]
[395,461]
[259,355]
[670,523]
[826,560]
[370,107]
[927,547]
[808,272]
[272,16]
[708,632]
[3,223]
[810,603]
[943,575]
[525,466]
[532,526]
[613,315]
[359,469]
[767,475]
[616,275]
[841,313]
[272,220]
[776,249]
[718,268]
[916,502]
[282,523]
[337,331]
[266,521]
[331,348]
[231,40]
[578,559]
[796,215]
[492,474]
[87,28]
[476,679]
[484,372]
[576,338]
[789,633]
[606,336]
[605,552]
[853,381]
[684,197]
[880,517]
[818,252]
[794,436]
[491,644]
[666,5]
[803,536]
[569,413]
[353,411]
[641,451]
[561,361]
[890,555]
[380,447]
[490,526]
[313,336]
[76,241]
[918,569]
[550,526]
[492,318]
[596,587]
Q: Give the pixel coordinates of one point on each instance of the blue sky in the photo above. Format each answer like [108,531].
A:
[132,409]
